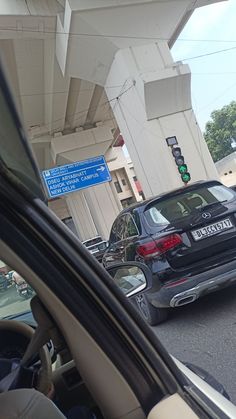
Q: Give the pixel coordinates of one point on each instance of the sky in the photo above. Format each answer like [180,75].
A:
[211,28]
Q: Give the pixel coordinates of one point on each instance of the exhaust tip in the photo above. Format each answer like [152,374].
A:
[186,300]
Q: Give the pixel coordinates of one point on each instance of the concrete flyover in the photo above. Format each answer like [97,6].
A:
[82,72]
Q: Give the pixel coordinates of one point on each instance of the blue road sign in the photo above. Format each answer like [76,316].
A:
[73,177]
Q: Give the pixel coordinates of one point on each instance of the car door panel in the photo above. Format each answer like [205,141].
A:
[172,407]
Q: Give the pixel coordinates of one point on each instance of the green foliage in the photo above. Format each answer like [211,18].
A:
[220,131]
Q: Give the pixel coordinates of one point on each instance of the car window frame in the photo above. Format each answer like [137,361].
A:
[120,219]
[113,232]
[130,217]
[65,262]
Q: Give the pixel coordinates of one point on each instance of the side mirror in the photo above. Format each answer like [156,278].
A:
[131,277]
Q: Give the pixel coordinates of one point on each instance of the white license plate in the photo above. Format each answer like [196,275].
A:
[211,229]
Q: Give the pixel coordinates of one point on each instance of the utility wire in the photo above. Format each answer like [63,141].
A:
[84,111]
[132,37]
[218,97]
[223,73]
[219,51]
[118,36]
[65,91]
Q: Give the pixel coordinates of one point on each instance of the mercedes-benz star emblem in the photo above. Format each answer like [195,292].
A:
[206,215]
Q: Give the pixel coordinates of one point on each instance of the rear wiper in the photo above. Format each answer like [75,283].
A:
[212,204]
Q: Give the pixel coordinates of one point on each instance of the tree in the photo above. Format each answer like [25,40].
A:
[220,131]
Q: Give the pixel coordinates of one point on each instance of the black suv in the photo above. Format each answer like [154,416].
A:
[188,239]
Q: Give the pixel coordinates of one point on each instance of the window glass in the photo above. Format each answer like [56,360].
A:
[130,228]
[157,217]
[113,237]
[118,187]
[220,193]
[93,241]
[120,227]
[15,292]
[136,218]
[15,152]
[183,205]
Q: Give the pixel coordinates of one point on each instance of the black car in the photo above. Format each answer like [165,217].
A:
[96,247]
[3,282]
[233,187]
[188,239]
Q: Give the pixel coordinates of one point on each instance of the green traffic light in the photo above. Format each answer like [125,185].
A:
[183,168]
[186,177]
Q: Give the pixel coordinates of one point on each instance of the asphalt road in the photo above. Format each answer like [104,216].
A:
[204,333]
[11,302]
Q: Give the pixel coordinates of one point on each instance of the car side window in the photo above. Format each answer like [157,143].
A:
[120,228]
[130,227]
[113,237]
[136,219]
[15,292]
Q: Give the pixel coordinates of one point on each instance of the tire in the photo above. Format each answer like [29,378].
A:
[151,314]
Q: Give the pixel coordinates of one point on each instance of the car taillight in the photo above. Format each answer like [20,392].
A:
[159,246]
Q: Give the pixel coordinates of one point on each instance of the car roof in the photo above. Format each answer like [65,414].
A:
[169,194]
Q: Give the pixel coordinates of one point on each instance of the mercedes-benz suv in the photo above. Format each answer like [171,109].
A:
[187,237]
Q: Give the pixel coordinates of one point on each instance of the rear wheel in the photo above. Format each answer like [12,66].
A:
[151,314]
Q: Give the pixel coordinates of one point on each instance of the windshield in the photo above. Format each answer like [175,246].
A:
[15,154]
[185,204]
[15,293]
[125,114]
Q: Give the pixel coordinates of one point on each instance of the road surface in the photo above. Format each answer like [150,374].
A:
[11,302]
[204,333]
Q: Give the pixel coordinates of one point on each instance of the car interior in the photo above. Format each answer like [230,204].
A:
[75,371]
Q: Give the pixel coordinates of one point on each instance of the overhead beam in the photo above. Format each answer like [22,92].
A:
[79,99]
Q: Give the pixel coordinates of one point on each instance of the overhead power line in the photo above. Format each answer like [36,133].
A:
[110,35]
[84,111]
[219,51]
[220,73]
[65,91]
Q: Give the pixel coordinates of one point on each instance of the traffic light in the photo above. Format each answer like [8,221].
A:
[182,166]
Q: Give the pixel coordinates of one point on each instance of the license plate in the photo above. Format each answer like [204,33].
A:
[22,286]
[211,229]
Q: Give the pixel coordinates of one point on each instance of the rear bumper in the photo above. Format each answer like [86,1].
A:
[195,287]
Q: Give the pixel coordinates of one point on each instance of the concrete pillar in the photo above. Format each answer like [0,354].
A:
[103,206]
[153,104]
[81,215]
[94,209]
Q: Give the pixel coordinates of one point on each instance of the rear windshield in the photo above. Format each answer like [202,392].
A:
[93,241]
[164,212]
[99,246]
